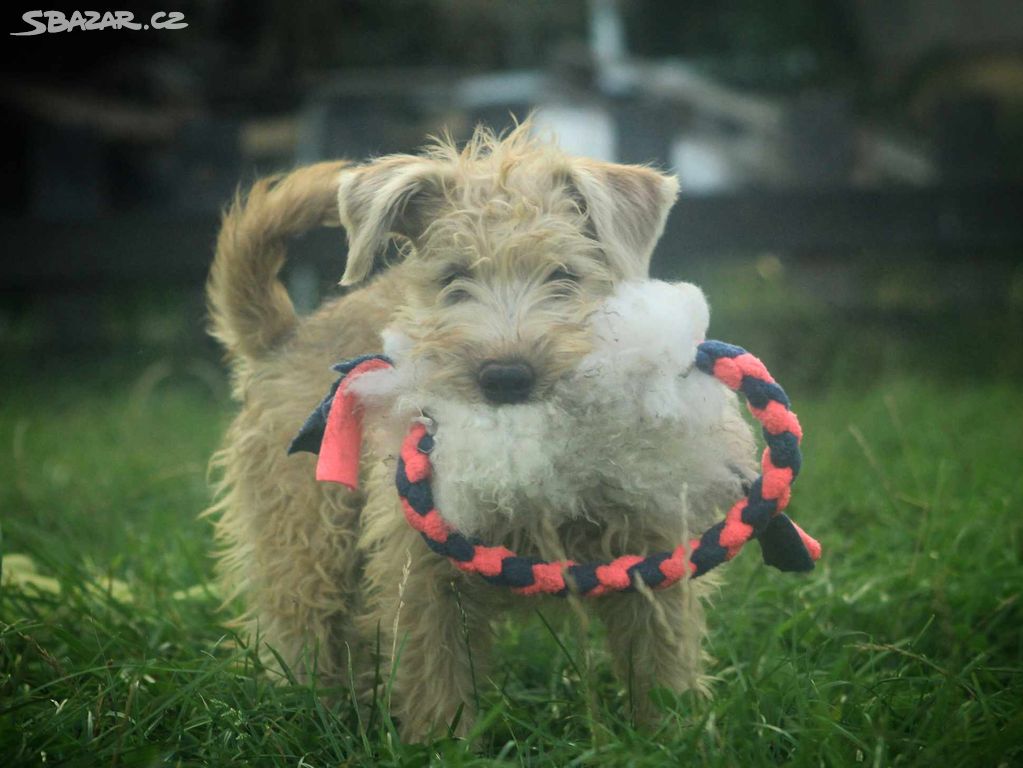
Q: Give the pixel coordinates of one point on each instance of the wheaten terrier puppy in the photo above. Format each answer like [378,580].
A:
[507,248]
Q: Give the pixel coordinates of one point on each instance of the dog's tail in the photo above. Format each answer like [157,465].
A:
[250,312]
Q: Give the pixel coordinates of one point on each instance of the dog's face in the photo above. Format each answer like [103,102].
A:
[509,245]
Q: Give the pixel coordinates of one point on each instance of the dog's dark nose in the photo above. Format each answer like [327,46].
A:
[506,381]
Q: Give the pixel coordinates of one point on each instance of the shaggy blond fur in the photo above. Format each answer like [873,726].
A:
[509,248]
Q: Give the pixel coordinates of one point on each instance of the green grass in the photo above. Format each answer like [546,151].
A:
[902,648]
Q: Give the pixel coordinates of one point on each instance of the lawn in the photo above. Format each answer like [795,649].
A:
[903,647]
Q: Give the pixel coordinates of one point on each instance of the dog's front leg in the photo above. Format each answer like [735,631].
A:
[441,643]
[655,639]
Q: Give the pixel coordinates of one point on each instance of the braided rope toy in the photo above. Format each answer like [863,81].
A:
[333,430]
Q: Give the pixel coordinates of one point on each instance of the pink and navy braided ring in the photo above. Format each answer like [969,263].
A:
[758,515]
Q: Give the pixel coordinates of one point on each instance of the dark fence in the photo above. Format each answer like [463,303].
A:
[143,248]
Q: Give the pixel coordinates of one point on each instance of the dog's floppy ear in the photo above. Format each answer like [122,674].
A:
[394,195]
[628,206]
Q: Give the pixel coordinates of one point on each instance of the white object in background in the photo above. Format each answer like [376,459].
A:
[582,130]
[607,31]
[703,165]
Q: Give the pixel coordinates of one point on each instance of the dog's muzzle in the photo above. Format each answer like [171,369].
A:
[506,381]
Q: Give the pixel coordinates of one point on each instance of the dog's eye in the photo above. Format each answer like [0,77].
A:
[455,274]
[562,274]
[454,295]
[563,283]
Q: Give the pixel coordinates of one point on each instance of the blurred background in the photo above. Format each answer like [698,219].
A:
[854,162]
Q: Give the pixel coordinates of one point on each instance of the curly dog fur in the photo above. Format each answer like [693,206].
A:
[507,248]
